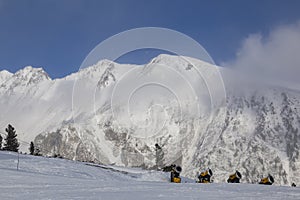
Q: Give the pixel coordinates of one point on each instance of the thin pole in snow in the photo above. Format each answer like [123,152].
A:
[18,161]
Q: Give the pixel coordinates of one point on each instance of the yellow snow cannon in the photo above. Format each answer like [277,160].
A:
[269,180]
[205,177]
[234,178]
[175,174]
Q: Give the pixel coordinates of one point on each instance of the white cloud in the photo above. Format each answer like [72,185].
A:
[275,58]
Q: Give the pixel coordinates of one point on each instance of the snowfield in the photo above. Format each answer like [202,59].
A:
[54,178]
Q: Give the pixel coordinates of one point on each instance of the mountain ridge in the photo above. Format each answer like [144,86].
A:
[176,102]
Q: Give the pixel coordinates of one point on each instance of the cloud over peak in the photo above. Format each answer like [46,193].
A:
[274,58]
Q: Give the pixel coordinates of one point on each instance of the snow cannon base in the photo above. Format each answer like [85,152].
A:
[176,180]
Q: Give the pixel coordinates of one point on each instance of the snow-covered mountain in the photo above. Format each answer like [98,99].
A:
[115,114]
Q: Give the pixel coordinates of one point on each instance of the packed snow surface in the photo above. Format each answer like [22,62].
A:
[54,178]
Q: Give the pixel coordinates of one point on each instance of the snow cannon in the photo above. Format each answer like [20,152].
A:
[175,174]
[235,178]
[205,177]
[269,180]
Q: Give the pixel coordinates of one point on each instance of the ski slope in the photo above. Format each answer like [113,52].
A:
[54,178]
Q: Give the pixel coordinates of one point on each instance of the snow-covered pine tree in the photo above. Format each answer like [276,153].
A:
[31,148]
[11,141]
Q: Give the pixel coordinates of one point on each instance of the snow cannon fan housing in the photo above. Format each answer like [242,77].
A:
[238,174]
[178,169]
[271,179]
[210,172]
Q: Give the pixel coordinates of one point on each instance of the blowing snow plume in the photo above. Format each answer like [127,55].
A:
[273,59]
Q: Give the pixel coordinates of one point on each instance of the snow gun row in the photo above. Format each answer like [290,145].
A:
[206,176]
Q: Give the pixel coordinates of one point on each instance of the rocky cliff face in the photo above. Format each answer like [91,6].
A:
[115,114]
[259,136]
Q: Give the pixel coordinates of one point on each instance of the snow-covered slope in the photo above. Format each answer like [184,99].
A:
[49,178]
[4,75]
[115,114]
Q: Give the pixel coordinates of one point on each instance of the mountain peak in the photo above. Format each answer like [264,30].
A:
[167,59]
[5,75]
[162,57]
[32,71]
[5,72]
[30,75]
[105,62]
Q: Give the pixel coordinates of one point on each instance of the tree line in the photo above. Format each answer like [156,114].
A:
[11,142]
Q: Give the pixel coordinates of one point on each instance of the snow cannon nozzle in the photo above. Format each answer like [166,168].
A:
[271,179]
[178,169]
[238,174]
[210,172]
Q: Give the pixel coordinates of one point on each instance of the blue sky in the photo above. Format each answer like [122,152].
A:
[58,34]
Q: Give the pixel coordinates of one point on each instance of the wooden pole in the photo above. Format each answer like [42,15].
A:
[18,161]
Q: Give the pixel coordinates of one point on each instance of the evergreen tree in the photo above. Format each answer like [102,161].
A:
[31,148]
[11,141]
[159,155]
[1,142]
